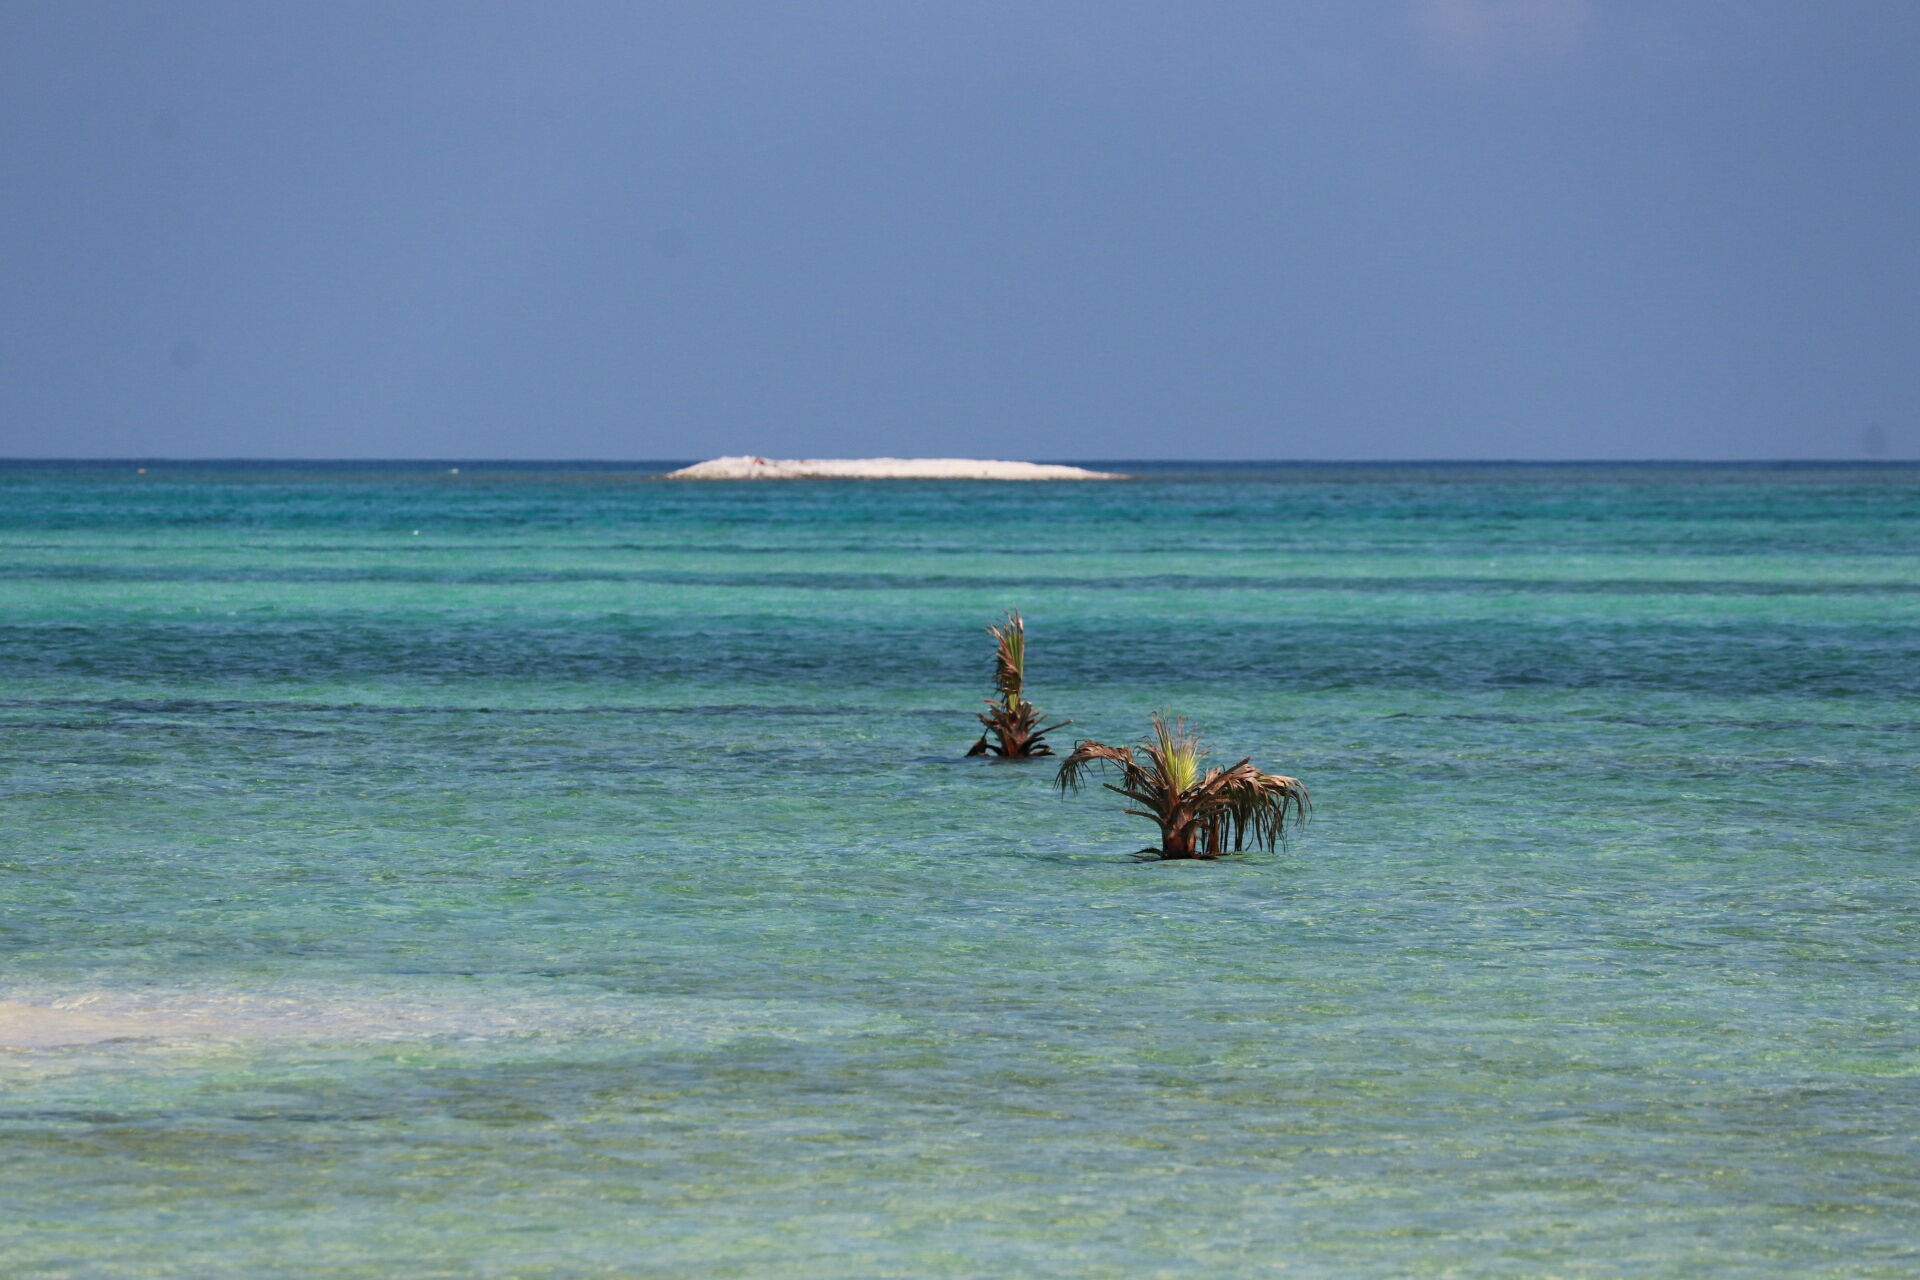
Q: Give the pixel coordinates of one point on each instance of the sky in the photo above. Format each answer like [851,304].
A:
[1377,229]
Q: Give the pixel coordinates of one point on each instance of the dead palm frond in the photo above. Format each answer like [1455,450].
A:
[1200,815]
[1011,721]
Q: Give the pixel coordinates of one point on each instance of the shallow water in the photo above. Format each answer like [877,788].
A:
[589,882]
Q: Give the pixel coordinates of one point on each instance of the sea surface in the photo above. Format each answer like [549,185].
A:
[555,872]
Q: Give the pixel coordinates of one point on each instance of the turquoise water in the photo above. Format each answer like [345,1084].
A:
[546,874]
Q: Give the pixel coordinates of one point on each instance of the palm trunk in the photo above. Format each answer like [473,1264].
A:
[1178,834]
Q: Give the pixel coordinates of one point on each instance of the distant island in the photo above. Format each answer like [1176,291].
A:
[750,467]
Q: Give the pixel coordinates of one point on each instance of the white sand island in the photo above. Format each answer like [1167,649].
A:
[750,467]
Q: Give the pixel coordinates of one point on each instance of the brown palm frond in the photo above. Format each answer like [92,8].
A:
[1087,753]
[1016,731]
[1249,806]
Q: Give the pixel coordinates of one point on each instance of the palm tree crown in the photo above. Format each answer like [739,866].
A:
[1012,721]
[1199,815]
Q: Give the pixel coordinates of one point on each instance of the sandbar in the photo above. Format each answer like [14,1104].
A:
[752,467]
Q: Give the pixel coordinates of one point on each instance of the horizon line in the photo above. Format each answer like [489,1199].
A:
[1176,463]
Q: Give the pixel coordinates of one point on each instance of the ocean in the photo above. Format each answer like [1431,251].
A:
[548,871]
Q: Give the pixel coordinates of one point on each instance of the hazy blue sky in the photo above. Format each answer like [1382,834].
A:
[1410,228]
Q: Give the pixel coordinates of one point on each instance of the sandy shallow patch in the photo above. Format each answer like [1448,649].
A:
[380,1013]
[50,1026]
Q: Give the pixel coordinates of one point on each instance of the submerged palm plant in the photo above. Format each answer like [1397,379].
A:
[1200,815]
[1012,722]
